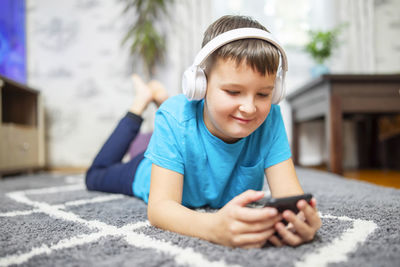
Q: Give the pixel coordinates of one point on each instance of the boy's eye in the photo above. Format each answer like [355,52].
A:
[230,92]
[263,95]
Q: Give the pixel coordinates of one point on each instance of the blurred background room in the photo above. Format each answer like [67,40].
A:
[65,70]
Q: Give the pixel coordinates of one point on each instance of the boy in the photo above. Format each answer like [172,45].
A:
[215,151]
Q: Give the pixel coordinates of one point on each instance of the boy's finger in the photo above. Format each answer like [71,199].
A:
[259,226]
[254,215]
[301,227]
[287,236]
[311,214]
[275,241]
[313,203]
[247,197]
[249,239]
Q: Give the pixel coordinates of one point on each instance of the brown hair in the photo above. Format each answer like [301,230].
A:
[260,55]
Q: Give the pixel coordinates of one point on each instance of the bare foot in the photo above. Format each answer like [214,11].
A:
[143,95]
[160,94]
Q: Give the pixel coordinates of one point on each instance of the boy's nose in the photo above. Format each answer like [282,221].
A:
[247,107]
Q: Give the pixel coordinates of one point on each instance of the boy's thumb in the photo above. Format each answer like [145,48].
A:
[247,197]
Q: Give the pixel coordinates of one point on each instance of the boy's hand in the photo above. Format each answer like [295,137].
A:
[301,228]
[240,226]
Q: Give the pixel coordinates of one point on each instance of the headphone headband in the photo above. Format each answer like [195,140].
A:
[238,34]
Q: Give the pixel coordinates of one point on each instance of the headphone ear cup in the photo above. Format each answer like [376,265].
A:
[201,84]
[279,90]
[194,83]
[188,79]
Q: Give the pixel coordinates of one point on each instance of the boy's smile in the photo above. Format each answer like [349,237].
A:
[238,100]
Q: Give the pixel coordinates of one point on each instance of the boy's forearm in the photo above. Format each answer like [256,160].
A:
[282,179]
[172,216]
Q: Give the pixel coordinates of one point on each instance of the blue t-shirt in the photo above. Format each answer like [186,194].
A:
[214,171]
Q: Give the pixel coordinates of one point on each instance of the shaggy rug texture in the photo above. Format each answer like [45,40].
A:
[52,220]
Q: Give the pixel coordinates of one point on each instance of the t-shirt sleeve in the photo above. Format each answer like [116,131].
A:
[278,149]
[164,148]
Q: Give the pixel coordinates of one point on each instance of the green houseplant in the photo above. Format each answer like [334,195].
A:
[321,46]
[144,38]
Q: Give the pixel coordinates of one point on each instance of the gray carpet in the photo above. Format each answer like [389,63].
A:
[50,220]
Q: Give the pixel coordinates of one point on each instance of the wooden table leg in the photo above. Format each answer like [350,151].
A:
[334,135]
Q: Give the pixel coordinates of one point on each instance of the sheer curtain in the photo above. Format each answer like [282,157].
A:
[357,47]
[189,19]
[370,43]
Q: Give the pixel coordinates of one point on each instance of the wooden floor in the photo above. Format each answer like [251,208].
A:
[388,178]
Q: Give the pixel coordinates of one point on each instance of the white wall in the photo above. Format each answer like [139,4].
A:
[76,60]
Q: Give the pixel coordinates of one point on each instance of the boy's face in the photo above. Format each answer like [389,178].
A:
[238,100]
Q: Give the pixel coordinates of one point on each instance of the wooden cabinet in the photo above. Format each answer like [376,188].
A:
[21,128]
[334,96]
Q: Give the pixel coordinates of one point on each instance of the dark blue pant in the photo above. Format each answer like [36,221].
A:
[108,173]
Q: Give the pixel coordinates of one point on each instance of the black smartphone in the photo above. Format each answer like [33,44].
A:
[281,204]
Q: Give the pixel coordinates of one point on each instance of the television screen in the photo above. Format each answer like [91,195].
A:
[12,40]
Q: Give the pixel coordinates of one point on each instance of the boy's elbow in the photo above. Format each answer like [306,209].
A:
[157,212]
[151,214]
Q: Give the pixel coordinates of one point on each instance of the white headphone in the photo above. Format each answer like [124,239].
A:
[194,81]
